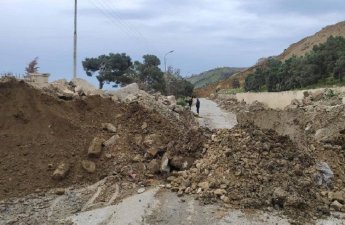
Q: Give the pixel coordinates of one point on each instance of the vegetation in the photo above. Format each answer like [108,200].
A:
[32,67]
[325,63]
[212,76]
[110,68]
[119,69]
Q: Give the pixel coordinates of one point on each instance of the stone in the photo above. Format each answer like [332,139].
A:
[95,148]
[88,166]
[61,171]
[219,192]
[181,163]
[317,96]
[144,126]
[339,196]
[322,134]
[137,158]
[343,100]
[154,166]
[141,190]
[165,163]
[109,127]
[178,109]
[153,151]
[204,185]
[108,156]
[60,191]
[138,139]
[111,141]
[150,140]
[171,99]
[225,199]
[279,197]
[336,206]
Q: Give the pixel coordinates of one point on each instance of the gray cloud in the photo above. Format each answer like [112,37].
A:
[204,33]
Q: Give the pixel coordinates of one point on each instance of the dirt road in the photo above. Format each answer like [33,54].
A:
[213,117]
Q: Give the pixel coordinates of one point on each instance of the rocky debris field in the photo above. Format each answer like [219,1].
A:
[252,168]
[57,140]
[49,141]
[316,127]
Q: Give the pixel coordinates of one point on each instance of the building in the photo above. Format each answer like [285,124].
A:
[37,78]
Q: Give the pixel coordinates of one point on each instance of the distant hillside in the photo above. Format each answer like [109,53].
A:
[298,49]
[212,76]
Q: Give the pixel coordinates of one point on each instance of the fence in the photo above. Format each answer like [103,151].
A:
[18,76]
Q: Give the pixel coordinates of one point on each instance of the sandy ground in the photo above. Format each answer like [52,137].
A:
[213,117]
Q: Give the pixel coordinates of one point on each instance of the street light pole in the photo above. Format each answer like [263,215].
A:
[75,42]
[165,60]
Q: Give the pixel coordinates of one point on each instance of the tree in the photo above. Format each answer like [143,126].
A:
[32,67]
[110,68]
[176,85]
[149,75]
[339,69]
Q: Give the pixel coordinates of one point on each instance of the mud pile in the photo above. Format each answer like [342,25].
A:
[40,132]
[252,168]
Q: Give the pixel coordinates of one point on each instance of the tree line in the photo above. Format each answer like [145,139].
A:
[119,70]
[325,62]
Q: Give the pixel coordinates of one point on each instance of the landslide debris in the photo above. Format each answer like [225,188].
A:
[48,138]
[251,168]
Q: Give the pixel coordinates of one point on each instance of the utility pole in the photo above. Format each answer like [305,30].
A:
[75,42]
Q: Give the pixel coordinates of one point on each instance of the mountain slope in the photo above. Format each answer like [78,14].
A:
[299,48]
[212,76]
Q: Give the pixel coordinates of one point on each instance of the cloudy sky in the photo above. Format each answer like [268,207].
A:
[204,34]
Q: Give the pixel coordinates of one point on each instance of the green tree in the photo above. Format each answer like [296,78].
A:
[149,75]
[339,69]
[109,68]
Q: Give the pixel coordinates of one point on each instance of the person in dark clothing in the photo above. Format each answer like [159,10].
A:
[197,105]
[190,102]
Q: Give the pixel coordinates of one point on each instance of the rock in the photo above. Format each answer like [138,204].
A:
[225,199]
[279,197]
[108,156]
[322,134]
[109,127]
[138,139]
[178,109]
[219,192]
[141,190]
[137,158]
[336,206]
[338,196]
[153,151]
[82,87]
[204,185]
[150,140]
[95,148]
[123,93]
[181,163]
[171,99]
[60,191]
[165,164]
[61,171]
[111,141]
[317,96]
[154,166]
[343,101]
[89,166]
[144,126]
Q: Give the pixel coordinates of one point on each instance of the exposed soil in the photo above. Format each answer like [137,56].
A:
[39,131]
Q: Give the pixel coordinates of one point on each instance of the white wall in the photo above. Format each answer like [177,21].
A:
[278,99]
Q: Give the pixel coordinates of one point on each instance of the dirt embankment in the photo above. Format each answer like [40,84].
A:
[39,132]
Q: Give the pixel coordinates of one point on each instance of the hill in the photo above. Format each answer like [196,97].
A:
[212,76]
[299,48]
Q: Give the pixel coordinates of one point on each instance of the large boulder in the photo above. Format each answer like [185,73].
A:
[82,87]
[128,92]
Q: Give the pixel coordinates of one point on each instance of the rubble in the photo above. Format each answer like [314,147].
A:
[252,168]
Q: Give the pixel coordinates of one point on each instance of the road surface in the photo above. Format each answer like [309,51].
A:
[212,116]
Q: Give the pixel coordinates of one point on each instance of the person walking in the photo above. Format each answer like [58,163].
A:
[197,105]
[190,102]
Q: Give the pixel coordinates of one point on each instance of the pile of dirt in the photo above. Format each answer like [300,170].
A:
[40,132]
[252,168]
